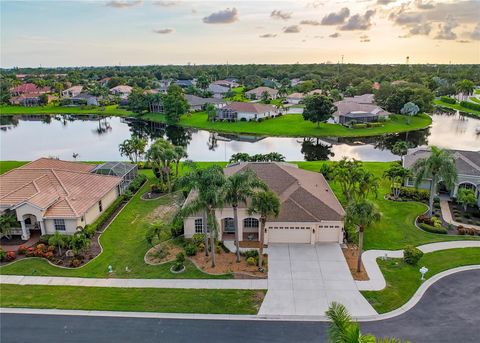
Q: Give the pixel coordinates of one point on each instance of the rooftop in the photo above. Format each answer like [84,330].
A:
[249,107]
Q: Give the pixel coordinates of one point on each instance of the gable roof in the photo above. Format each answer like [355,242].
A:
[346,107]
[260,90]
[60,188]
[194,100]
[249,107]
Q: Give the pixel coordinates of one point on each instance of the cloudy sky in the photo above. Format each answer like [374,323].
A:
[136,32]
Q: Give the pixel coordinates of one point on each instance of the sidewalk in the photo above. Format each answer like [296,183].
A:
[377,281]
[447,216]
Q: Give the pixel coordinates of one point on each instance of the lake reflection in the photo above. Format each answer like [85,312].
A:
[97,139]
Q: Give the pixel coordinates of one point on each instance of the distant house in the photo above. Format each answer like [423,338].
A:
[197,103]
[104,81]
[294,82]
[315,91]
[226,83]
[246,111]
[362,99]
[256,93]
[26,99]
[28,88]
[122,91]
[72,91]
[359,109]
[272,83]
[295,98]
[218,90]
[185,83]
[84,99]
[468,170]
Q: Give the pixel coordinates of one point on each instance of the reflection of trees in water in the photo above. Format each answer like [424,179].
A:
[314,149]
[178,135]
[103,127]
[8,122]
[212,141]
[151,130]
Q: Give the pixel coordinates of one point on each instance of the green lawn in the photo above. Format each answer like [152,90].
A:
[403,279]
[475,100]
[112,110]
[293,125]
[132,299]
[440,103]
[5,166]
[239,94]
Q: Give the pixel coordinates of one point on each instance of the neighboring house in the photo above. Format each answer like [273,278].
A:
[28,88]
[72,91]
[309,211]
[217,90]
[294,82]
[104,82]
[226,83]
[122,91]
[197,103]
[295,98]
[272,83]
[468,170]
[51,196]
[186,83]
[256,93]
[362,99]
[26,99]
[348,111]
[127,171]
[84,99]
[246,111]
[315,91]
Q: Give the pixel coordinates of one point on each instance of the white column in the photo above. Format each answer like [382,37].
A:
[25,231]
[42,227]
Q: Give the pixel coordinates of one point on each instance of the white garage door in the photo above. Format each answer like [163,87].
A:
[289,234]
[328,233]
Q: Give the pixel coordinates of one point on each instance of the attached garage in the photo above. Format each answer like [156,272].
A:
[329,233]
[289,234]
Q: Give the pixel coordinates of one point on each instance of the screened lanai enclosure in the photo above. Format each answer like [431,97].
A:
[127,171]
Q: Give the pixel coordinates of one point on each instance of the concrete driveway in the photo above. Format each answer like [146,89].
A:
[303,279]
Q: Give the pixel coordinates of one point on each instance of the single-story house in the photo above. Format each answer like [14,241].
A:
[362,99]
[257,93]
[186,83]
[468,170]
[72,91]
[28,88]
[84,98]
[295,98]
[217,90]
[309,210]
[226,83]
[315,91]
[348,111]
[26,99]
[51,196]
[246,111]
[122,91]
[197,103]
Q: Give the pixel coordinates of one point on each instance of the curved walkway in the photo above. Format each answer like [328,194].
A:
[377,281]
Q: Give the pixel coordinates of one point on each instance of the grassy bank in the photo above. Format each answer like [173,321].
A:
[403,279]
[132,299]
[473,113]
[50,109]
[5,166]
[293,125]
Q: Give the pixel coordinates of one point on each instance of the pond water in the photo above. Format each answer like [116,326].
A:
[97,139]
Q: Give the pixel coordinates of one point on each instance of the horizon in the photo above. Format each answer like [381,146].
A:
[158,33]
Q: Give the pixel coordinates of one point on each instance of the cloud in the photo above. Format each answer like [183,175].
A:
[278,14]
[475,35]
[310,22]
[420,29]
[164,31]
[384,2]
[268,35]
[445,29]
[408,18]
[291,29]
[359,22]
[334,35]
[123,3]
[463,11]
[336,18]
[424,5]
[463,41]
[163,3]
[222,17]
[364,39]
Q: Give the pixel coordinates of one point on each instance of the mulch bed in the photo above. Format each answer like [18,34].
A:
[351,255]
[172,250]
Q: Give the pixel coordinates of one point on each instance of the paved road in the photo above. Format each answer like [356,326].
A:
[449,312]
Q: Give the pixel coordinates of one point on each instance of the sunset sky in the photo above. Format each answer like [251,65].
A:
[135,32]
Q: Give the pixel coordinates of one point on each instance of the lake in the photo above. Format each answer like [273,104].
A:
[97,139]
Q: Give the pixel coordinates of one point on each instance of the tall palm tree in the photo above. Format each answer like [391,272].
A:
[238,188]
[180,153]
[267,204]
[439,166]
[396,174]
[161,154]
[361,214]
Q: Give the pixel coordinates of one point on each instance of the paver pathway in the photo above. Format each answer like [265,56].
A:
[447,216]
[304,279]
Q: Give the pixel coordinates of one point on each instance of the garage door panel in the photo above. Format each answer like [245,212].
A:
[328,234]
[283,234]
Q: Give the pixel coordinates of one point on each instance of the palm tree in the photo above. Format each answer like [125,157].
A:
[362,214]
[238,188]
[180,153]
[133,148]
[400,148]
[161,154]
[57,240]
[267,204]
[439,166]
[211,111]
[396,174]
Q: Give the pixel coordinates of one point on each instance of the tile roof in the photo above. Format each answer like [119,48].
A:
[250,107]
[345,107]
[194,100]
[60,188]
[296,96]
[260,90]
[121,89]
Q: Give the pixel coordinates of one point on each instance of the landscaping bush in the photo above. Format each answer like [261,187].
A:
[180,257]
[260,120]
[3,254]
[190,250]
[448,100]
[251,253]
[30,252]
[22,250]
[251,261]
[433,229]
[466,230]
[137,183]
[10,256]
[91,229]
[374,124]
[414,194]
[412,255]
[359,126]
[75,263]
[470,105]
[243,119]
[176,230]
[198,239]
[44,239]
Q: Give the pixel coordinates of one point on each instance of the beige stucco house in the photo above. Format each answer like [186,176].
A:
[309,213]
[51,195]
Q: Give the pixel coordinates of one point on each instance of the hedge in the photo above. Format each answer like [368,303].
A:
[414,194]
[448,100]
[433,229]
[470,105]
[359,126]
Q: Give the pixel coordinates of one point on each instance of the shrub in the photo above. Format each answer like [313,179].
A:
[251,253]
[201,247]
[51,248]
[466,230]
[22,250]
[243,119]
[448,100]
[41,247]
[359,126]
[177,266]
[251,261]
[137,183]
[180,258]
[30,252]
[470,105]
[260,120]
[48,255]
[10,256]
[198,239]
[432,229]
[190,250]
[176,229]
[75,263]
[374,124]
[3,254]
[90,229]
[127,195]
[412,255]
[414,194]
[44,239]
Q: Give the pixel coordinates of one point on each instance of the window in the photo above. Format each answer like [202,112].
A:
[82,219]
[100,206]
[250,223]
[410,182]
[228,225]
[199,225]
[59,224]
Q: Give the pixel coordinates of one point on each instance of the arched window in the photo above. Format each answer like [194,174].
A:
[250,223]
[199,225]
[228,225]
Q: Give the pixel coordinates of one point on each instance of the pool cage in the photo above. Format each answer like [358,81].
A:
[127,171]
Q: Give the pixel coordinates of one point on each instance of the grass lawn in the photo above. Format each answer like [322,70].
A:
[403,279]
[132,299]
[5,166]
[475,100]
[112,110]
[440,103]
[293,125]
[239,94]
